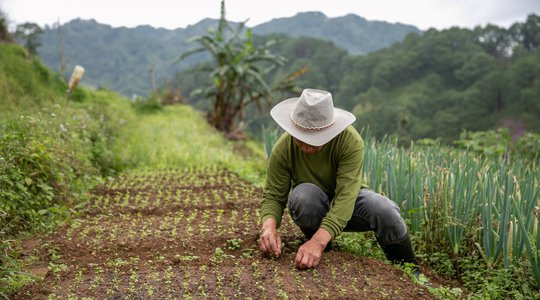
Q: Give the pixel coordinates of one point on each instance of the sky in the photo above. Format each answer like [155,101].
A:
[171,14]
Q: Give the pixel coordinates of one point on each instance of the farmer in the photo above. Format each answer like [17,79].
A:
[320,157]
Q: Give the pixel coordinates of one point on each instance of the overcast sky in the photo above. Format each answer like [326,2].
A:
[172,14]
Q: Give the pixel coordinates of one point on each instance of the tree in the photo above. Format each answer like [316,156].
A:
[30,35]
[4,33]
[530,31]
[496,41]
[236,73]
[61,57]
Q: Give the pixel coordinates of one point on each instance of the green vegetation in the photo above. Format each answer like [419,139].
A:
[49,153]
[431,85]
[30,36]
[178,136]
[474,217]
[126,60]
[236,73]
[52,154]
[5,36]
[308,62]
[473,212]
[498,143]
[443,82]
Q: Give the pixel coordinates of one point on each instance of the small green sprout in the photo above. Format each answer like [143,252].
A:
[234,244]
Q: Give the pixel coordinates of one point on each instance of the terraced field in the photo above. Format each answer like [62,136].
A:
[191,234]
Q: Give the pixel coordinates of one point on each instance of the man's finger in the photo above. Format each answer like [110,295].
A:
[261,245]
[278,240]
[315,262]
[306,261]
[267,244]
[270,244]
[299,258]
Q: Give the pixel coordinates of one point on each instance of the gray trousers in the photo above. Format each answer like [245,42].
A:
[308,205]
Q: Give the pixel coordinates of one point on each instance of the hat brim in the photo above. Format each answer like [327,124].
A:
[281,113]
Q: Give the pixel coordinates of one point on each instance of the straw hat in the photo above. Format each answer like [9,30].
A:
[312,118]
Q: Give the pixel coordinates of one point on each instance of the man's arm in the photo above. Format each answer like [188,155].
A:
[348,184]
[277,187]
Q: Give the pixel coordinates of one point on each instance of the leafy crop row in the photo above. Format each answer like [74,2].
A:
[464,205]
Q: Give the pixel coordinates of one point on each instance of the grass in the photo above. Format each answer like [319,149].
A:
[25,83]
[178,137]
[50,154]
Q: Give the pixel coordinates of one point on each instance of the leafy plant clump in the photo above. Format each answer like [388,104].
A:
[463,206]
[237,73]
[51,154]
[499,144]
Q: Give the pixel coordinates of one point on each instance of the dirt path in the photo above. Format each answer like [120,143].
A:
[192,235]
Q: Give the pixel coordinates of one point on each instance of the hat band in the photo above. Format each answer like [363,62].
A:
[306,128]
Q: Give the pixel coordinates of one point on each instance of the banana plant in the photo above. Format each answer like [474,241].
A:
[237,72]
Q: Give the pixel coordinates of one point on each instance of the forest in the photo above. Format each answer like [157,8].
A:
[137,60]
[417,85]
[432,85]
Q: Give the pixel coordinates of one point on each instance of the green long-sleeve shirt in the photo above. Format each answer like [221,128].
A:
[336,169]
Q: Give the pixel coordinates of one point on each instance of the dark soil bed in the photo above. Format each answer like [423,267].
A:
[192,235]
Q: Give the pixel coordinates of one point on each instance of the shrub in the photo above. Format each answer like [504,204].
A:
[41,172]
[498,143]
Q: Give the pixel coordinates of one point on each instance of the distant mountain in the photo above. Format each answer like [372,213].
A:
[134,60]
[127,60]
[351,32]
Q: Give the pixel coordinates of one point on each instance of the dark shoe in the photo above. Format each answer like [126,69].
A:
[400,252]
[420,277]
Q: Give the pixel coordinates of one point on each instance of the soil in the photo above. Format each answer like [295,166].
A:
[192,234]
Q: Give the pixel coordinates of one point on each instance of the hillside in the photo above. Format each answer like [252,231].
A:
[123,201]
[25,82]
[351,32]
[434,85]
[125,60]
[444,82]
[128,60]
[139,233]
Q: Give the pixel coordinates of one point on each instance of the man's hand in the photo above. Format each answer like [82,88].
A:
[270,241]
[309,254]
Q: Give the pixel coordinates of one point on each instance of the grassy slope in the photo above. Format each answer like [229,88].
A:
[179,137]
[52,154]
[24,82]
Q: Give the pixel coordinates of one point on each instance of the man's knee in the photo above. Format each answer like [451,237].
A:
[308,205]
[307,198]
[385,215]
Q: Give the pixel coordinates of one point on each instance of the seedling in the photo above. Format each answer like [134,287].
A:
[234,244]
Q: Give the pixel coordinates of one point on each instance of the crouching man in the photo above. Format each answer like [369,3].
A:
[320,157]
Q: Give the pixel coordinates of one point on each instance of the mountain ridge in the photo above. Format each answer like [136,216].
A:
[121,58]
[344,31]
